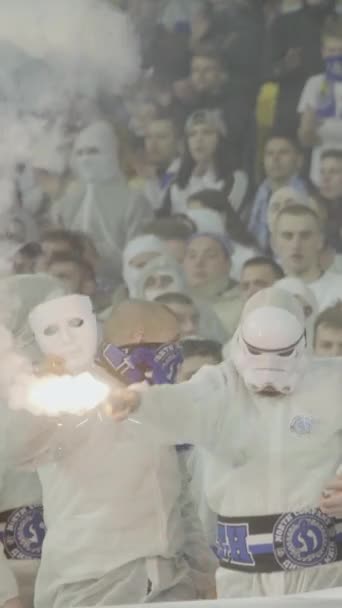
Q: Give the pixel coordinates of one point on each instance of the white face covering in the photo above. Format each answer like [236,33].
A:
[269,347]
[151,293]
[96,153]
[66,328]
[146,243]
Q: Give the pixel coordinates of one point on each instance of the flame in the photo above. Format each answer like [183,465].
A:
[56,395]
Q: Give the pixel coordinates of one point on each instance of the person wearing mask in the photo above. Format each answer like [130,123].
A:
[282,165]
[147,550]
[207,266]
[258,273]
[138,252]
[297,242]
[100,204]
[21,523]
[206,162]
[320,104]
[264,402]
[328,332]
[162,277]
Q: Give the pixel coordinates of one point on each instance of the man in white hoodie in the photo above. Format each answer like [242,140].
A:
[100,203]
[270,422]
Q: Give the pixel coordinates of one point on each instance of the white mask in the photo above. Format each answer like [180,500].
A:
[96,153]
[269,350]
[66,328]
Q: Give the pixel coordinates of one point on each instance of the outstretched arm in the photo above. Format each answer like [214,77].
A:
[185,413]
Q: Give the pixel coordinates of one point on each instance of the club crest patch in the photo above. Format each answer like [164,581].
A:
[302,425]
[304,540]
[24,533]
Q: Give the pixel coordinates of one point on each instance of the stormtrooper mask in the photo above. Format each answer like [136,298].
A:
[66,328]
[269,347]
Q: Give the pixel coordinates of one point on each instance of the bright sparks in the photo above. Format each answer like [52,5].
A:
[56,395]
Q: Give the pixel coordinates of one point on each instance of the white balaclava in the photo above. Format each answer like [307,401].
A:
[207,220]
[162,266]
[147,243]
[307,299]
[269,347]
[96,156]
[66,328]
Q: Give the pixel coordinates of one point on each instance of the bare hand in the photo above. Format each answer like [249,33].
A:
[51,366]
[121,403]
[331,501]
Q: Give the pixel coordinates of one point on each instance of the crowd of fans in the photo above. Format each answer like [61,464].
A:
[216,175]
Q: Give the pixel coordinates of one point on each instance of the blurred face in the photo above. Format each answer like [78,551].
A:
[51,248]
[23,264]
[140,260]
[205,260]
[203,141]
[206,74]
[143,114]
[281,160]
[328,342]
[187,316]
[191,365]
[177,248]
[160,142]
[69,274]
[331,46]
[255,278]
[298,243]
[331,178]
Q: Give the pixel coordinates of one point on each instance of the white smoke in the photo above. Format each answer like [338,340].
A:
[58,57]
[87,43]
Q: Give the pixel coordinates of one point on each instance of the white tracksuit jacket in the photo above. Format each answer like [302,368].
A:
[121,527]
[264,455]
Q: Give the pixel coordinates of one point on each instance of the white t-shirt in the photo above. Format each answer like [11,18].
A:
[330,131]
[327,289]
